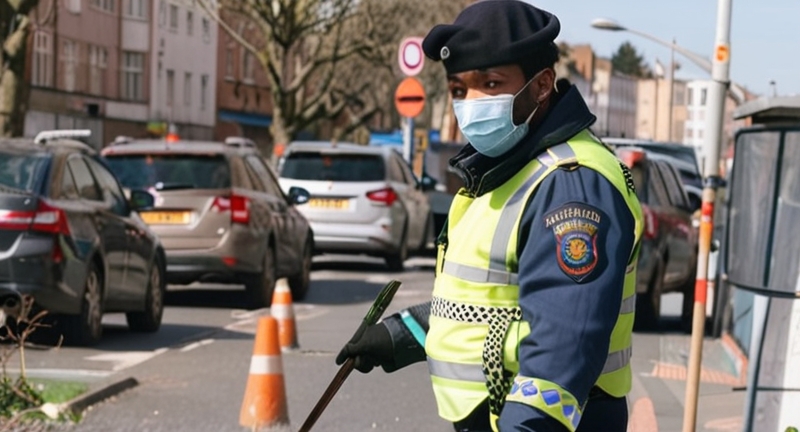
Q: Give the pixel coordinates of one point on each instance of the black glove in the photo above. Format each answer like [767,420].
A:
[370,347]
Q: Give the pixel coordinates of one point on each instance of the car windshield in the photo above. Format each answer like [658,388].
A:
[22,171]
[163,172]
[684,153]
[333,167]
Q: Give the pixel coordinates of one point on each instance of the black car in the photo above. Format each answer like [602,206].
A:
[71,239]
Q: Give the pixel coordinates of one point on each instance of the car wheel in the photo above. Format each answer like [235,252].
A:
[260,287]
[395,260]
[149,320]
[86,328]
[300,282]
[648,305]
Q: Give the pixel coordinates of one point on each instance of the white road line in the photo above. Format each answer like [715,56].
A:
[197,344]
[62,373]
[125,360]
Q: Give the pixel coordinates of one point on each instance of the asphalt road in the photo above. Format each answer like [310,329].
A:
[193,372]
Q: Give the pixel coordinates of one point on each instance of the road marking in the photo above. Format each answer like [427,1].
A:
[64,374]
[729,424]
[239,314]
[128,359]
[197,344]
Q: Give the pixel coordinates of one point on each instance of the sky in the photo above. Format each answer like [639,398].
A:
[765,35]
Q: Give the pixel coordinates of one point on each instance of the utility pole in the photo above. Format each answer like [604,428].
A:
[720,71]
[671,90]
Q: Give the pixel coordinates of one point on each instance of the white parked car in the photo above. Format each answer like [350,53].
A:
[364,199]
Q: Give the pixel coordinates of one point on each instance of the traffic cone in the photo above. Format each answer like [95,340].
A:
[264,403]
[283,311]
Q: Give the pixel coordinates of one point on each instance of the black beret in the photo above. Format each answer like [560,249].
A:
[491,33]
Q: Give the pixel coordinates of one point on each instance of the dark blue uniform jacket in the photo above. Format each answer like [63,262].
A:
[571,318]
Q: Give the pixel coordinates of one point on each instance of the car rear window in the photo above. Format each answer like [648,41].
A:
[333,167]
[22,171]
[171,171]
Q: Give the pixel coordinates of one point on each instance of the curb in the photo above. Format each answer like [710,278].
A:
[736,356]
[99,394]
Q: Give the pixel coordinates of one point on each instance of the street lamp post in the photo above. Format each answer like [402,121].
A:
[736,91]
[719,69]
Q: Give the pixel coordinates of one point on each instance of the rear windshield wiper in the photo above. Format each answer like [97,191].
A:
[173,186]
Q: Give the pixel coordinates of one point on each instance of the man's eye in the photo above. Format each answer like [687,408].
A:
[491,84]
[457,93]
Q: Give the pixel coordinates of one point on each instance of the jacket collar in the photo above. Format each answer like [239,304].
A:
[568,116]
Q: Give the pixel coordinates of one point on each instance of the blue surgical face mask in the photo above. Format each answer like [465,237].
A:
[488,122]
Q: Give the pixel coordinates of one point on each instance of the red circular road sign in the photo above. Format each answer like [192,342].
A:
[410,56]
[409,98]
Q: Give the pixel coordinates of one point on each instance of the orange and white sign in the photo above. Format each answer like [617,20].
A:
[722,53]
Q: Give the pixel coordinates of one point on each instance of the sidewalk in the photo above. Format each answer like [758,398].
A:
[657,398]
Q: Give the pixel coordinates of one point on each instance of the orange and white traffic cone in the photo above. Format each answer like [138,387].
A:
[283,311]
[264,403]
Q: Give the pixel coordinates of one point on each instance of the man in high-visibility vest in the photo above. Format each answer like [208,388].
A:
[529,327]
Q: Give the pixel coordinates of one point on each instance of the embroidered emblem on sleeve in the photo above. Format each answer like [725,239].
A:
[575,227]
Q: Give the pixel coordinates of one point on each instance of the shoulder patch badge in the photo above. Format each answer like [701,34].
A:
[575,227]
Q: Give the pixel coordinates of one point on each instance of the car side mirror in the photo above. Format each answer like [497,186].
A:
[427,183]
[141,200]
[298,195]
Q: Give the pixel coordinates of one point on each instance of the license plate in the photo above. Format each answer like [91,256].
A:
[166,218]
[329,203]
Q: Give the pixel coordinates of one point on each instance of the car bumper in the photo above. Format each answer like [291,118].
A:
[186,267]
[353,238]
[28,270]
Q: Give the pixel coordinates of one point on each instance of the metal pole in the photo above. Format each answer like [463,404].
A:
[671,90]
[713,140]
[408,140]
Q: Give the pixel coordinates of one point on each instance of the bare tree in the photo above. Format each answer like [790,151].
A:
[328,59]
[15,25]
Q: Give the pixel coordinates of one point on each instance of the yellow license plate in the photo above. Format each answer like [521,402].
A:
[166,218]
[329,203]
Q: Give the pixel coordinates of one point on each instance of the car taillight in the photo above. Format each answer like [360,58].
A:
[238,205]
[386,196]
[650,223]
[46,218]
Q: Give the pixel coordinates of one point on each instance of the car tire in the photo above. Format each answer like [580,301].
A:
[149,320]
[396,260]
[260,287]
[300,282]
[86,328]
[648,305]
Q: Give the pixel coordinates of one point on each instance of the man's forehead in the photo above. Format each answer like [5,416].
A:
[502,70]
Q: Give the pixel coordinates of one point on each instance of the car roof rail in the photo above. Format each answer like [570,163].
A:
[236,141]
[122,139]
[44,136]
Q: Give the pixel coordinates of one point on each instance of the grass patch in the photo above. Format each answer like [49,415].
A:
[58,391]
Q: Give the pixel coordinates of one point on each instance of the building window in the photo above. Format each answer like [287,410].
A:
[42,69]
[74,6]
[70,65]
[203,91]
[248,67]
[187,89]
[136,9]
[173,17]
[98,63]
[701,115]
[189,22]
[700,133]
[229,63]
[703,95]
[105,5]
[690,96]
[690,133]
[162,13]
[170,88]
[132,75]
[206,30]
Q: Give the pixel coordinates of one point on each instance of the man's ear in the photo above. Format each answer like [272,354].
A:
[545,84]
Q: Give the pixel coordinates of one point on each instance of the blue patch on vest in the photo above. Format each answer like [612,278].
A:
[575,227]
[551,397]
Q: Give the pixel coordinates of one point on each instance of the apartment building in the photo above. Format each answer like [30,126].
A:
[658,116]
[184,68]
[76,71]
[694,133]
[244,104]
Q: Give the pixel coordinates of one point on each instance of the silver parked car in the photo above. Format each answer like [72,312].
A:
[364,199]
